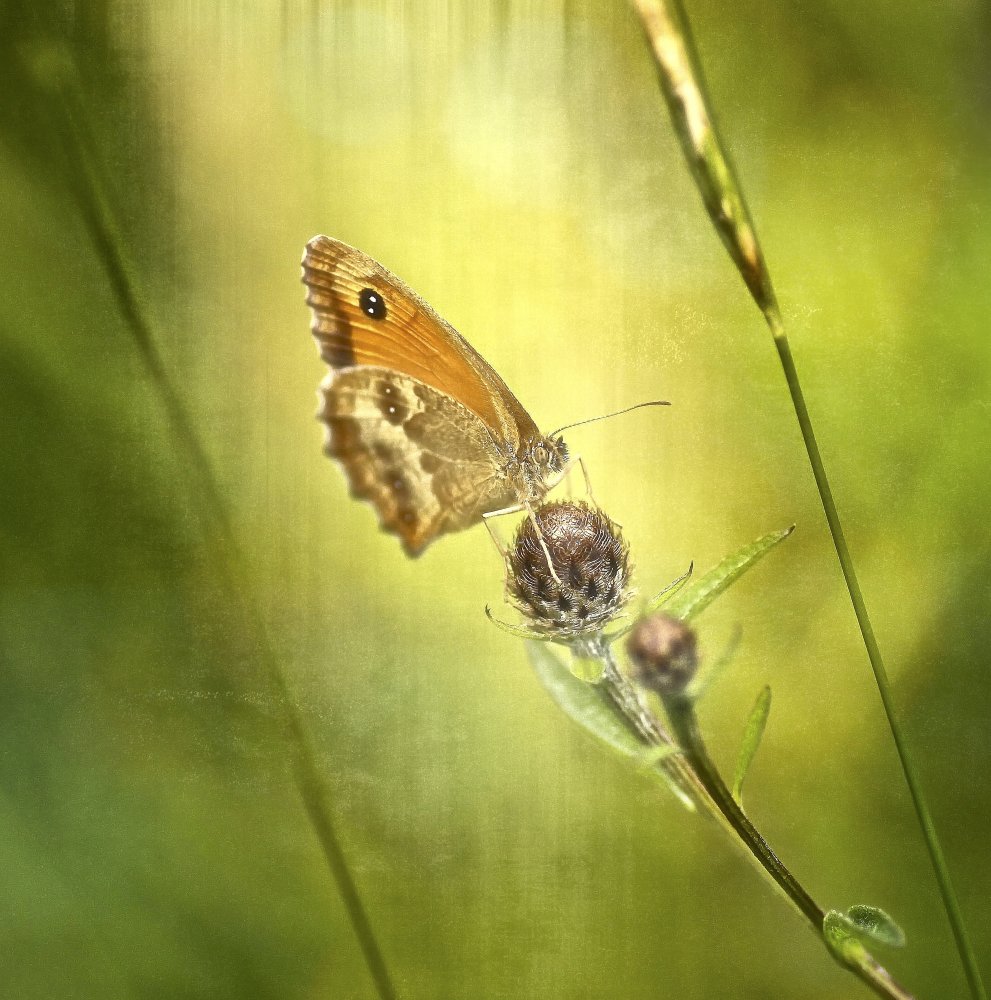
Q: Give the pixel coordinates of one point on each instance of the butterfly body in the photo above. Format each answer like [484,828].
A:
[423,426]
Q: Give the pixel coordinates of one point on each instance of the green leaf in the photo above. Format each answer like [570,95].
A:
[699,594]
[660,599]
[839,935]
[874,924]
[653,761]
[587,704]
[653,756]
[844,932]
[591,707]
[752,735]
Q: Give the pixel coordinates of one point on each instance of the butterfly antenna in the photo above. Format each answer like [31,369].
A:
[606,416]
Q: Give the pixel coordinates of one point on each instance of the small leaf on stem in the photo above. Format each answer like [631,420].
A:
[591,707]
[654,604]
[752,735]
[587,704]
[699,594]
[660,599]
[653,756]
[839,935]
[520,631]
[844,931]
[873,923]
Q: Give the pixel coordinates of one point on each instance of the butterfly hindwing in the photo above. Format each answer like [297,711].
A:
[423,460]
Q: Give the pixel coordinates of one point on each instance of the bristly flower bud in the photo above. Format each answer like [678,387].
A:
[589,584]
[662,650]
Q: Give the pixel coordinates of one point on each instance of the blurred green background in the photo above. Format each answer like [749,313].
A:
[514,163]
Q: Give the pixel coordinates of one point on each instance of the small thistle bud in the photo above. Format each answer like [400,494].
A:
[662,649]
[589,584]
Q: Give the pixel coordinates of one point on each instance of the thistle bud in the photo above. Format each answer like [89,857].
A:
[591,569]
[662,650]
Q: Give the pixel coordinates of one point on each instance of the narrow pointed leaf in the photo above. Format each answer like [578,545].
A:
[669,592]
[652,761]
[699,594]
[752,736]
[653,756]
[520,631]
[654,604]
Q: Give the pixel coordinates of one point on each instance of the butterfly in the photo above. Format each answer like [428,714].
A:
[423,426]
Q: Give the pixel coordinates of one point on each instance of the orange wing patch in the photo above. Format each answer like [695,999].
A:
[363,315]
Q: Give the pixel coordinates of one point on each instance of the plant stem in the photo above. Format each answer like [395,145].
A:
[650,729]
[936,856]
[317,799]
[668,34]
[685,726]
[684,723]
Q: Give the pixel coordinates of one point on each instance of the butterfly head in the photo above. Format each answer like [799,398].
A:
[543,461]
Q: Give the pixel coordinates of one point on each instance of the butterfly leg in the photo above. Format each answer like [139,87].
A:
[504,551]
[580,462]
[500,545]
[565,474]
[540,537]
[588,482]
[496,540]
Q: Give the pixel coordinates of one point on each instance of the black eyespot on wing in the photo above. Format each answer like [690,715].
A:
[371,303]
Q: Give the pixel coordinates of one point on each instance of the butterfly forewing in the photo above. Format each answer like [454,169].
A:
[365,315]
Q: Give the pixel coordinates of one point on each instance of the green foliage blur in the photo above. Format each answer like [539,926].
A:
[161,167]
